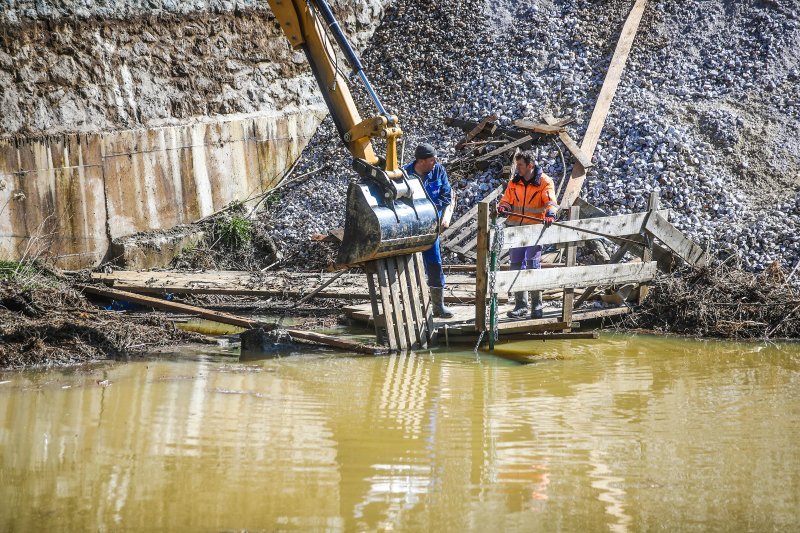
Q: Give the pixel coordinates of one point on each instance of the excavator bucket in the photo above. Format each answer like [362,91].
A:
[376,227]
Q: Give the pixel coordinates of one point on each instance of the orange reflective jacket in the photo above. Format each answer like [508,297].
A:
[529,199]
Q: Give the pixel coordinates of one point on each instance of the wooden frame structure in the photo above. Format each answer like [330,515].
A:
[404,318]
[570,236]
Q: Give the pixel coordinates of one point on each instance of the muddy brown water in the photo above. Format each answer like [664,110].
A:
[620,434]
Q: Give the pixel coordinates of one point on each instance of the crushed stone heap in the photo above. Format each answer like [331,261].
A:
[707,110]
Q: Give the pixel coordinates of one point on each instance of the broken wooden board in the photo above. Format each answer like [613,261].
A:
[579,155]
[476,130]
[601,109]
[505,148]
[663,230]
[578,276]
[536,127]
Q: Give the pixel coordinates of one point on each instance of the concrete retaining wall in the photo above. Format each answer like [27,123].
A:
[67,196]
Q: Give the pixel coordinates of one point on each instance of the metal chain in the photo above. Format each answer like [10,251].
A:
[496,247]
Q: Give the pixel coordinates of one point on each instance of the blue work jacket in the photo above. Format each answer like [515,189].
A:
[436,184]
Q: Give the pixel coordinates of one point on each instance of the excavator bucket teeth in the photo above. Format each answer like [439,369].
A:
[375,229]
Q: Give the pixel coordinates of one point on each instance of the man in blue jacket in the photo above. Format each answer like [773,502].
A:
[434,178]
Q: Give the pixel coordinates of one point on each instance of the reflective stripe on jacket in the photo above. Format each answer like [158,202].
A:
[533,198]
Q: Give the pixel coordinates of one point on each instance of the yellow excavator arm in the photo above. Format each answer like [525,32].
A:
[304,25]
[388,212]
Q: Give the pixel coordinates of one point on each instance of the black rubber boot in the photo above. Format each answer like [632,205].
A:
[537,308]
[437,300]
[520,305]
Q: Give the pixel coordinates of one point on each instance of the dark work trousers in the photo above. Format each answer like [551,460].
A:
[432,257]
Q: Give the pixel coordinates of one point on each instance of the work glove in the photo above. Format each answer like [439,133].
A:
[503,210]
[549,218]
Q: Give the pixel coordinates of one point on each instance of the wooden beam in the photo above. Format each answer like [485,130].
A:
[577,276]
[663,230]
[533,234]
[328,340]
[386,303]
[175,307]
[227,318]
[601,108]
[505,148]
[476,130]
[647,253]
[576,335]
[666,260]
[533,325]
[536,127]
[570,258]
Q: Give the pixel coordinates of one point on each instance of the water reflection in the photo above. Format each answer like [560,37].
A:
[624,434]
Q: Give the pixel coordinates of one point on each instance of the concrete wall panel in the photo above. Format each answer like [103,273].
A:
[69,195]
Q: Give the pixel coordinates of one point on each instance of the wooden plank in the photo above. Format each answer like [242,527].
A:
[536,127]
[396,307]
[336,342]
[386,301]
[157,303]
[517,337]
[476,130]
[419,271]
[570,257]
[534,324]
[533,234]
[482,266]
[580,156]
[572,146]
[415,286]
[468,218]
[373,298]
[609,88]
[602,313]
[505,148]
[647,253]
[409,322]
[663,230]
[576,276]
[666,261]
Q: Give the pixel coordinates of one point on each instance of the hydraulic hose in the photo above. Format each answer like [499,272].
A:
[350,54]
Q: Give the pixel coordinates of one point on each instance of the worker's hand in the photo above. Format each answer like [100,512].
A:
[503,210]
[549,218]
[444,223]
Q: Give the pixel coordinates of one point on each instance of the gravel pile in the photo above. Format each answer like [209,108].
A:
[707,110]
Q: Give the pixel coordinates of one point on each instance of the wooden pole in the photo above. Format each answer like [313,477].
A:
[647,256]
[481,266]
[610,84]
[571,253]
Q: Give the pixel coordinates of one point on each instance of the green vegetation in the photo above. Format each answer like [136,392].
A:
[236,231]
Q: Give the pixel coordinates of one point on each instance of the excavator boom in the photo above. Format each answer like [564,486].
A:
[388,212]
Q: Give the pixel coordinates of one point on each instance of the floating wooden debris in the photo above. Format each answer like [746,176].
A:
[227,318]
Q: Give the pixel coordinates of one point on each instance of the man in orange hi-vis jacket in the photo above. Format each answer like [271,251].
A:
[530,192]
